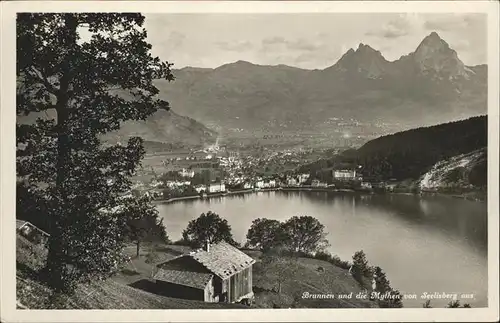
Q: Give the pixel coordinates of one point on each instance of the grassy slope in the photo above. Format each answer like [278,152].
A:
[116,292]
[113,293]
[300,275]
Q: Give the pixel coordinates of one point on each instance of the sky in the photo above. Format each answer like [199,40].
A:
[310,41]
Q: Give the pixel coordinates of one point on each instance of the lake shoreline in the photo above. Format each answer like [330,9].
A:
[321,189]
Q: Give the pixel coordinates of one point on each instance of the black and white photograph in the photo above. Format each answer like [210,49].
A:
[250,161]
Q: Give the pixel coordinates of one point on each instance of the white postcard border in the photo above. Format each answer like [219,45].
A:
[8,310]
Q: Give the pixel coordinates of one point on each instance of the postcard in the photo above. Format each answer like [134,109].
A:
[241,161]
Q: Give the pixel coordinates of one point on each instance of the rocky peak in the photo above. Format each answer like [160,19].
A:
[434,55]
[364,60]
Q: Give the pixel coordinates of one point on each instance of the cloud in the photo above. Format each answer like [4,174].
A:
[453,22]
[235,46]
[276,40]
[301,44]
[401,26]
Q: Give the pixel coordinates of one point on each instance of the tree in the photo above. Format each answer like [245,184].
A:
[427,304]
[209,227]
[383,286]
[360,266]
[279,266]
[305,234]
[456,304]
[78,89]
[34,207]
[453,304]
[142,223]
[265,234]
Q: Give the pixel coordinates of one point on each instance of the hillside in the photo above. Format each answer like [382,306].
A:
[302,275]
[113,293]
[410,154]
[428,86]
[465,170]
[166,127]
[163,130]
[131,288]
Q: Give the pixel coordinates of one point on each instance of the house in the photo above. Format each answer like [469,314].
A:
[366,185]
[31,232]
[259,184]
[345,174]
[186,173]
[216,188]
[318,183]
[302,178]
[200,188]
[272,183]
[217,273]
[292,181]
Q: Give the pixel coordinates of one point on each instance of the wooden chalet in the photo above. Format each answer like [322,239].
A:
[217,273]
[31,232]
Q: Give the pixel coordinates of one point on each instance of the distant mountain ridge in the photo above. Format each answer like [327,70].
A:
[420,154]
[428,86]
[164,129]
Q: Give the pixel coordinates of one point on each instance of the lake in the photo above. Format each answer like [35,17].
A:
[424,244]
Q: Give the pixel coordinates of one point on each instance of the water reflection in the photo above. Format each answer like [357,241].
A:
[425,244]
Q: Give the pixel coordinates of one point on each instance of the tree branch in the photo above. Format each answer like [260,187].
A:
[39,75]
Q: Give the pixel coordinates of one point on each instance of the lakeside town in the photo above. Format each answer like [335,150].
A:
[213,171]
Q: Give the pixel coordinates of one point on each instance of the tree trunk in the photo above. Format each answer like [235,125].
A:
[138,245]
[56,262]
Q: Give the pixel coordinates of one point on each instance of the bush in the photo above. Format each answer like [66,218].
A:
[333,259]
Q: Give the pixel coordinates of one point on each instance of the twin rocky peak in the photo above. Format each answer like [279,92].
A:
[432,56]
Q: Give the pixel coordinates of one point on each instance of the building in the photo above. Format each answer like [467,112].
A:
[345,174]
[217,273]
[31,232]
[200,188]
[216,188]
[292,181]
[259,184]
[272,183]
[186,173]
[318,183]
[366,185]
[302,178]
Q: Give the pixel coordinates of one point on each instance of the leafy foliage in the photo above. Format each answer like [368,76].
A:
[209,227]
[142,223]
[301,235]
[333,259]
[456,304]
[305,234]
[61,160]
[384,286]
[360,267]
[265,234]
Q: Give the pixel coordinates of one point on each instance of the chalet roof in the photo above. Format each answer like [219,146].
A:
[223,259]
[20,223]
[182,277]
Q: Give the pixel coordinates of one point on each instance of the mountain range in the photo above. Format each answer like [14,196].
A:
[428,86]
